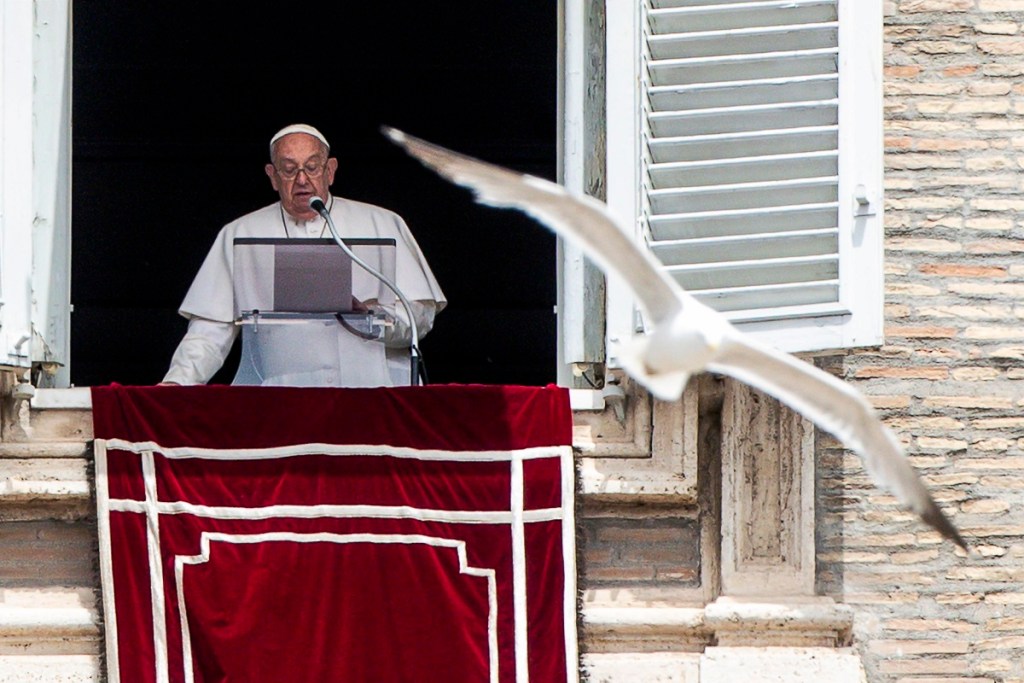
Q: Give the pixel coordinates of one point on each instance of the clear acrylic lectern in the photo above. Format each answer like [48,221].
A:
[308,315]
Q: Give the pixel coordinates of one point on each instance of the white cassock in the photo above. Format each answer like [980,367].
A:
[318,353]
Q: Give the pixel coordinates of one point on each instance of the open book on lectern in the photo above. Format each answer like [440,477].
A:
[307,277]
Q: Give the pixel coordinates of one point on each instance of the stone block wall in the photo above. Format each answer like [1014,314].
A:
[949,379]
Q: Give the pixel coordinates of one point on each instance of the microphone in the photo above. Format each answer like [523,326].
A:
[318,205]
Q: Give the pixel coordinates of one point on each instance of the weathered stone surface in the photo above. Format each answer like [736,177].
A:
[43,669]
[779,665]
[651,668]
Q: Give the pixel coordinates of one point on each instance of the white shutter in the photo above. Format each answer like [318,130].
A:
[35,172]
[16,29]
[758,124]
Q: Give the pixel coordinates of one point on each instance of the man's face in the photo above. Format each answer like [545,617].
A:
[300,170]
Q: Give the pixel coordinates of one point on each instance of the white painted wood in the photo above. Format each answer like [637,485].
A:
[580,337]
[753,128]
[16,172]
[35,189]
[51,249]
[569,260]
[861,166]
[623,102]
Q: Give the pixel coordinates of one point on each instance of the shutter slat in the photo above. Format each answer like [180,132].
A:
[741,166]
[758,143]
[776,90]
[744,170]
[666,4]
[739,16]
[723,249]
[759,220]
[744,196]
[746,304]
[744,41]
[756,272]
[744,118]
[743,67]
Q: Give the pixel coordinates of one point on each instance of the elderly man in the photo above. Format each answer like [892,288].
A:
[324,354]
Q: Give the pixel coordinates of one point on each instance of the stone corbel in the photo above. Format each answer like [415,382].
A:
[651,453]
[769,619]
[767,497]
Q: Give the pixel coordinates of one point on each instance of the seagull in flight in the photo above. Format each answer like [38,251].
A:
[686,336]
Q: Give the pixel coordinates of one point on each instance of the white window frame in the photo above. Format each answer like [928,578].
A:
[35,186]
[16,30]
[857,320]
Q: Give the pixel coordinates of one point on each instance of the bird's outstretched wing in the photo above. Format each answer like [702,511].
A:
[582,221]
[837,408]
[831,404]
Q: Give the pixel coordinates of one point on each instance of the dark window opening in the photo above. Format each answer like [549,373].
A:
[173,107]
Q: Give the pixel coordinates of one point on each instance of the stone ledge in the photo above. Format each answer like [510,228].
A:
[728,665]
[656,667]
[44,449]
[806,622]
[780,665]
[29,491]
[49,622]
[75,398]
[80,398]
[49,669]
[644,629]
[44,488]
[809,622]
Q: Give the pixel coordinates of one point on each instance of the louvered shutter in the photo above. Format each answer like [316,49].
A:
[758,124]
[35,182]
[35,186]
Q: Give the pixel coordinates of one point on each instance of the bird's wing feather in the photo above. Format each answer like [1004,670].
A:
[837,408]
[580,220]
[830,403]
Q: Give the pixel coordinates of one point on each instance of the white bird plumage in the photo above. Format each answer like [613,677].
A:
[686,336]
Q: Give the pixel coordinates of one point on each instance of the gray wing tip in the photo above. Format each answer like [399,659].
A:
[395,135]
[938,520]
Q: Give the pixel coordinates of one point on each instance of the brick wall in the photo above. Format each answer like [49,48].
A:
[640,547]
[948,379]
[48,552]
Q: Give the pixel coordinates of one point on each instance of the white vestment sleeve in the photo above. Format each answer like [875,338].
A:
[399,335]
[201,352]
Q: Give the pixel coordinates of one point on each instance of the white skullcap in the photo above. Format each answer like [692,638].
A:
[298,128]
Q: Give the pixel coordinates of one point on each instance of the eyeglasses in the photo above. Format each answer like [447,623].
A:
[312,169]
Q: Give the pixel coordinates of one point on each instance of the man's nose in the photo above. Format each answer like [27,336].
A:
[302,177]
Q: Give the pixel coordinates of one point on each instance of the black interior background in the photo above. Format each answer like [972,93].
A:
[174,103]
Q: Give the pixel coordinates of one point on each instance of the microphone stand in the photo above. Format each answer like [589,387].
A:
[317,204]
